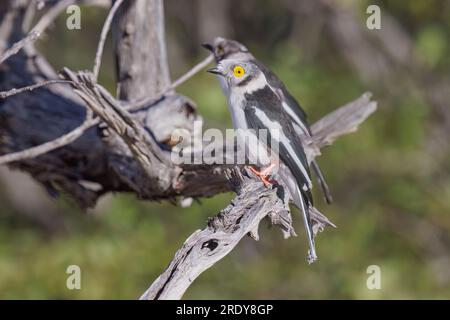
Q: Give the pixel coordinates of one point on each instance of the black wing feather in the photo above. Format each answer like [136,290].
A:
[273,109]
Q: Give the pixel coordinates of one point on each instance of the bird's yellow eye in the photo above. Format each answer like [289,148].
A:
[238,71]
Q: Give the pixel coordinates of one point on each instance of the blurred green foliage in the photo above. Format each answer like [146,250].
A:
[391,197]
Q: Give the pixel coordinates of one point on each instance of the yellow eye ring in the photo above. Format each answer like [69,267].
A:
[238,71]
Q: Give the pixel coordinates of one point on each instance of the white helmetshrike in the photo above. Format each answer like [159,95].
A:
[230,49]
[255,104]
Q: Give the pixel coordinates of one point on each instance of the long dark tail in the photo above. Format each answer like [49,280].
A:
[322,182]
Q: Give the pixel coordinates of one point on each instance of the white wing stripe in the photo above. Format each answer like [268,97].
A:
[274,125]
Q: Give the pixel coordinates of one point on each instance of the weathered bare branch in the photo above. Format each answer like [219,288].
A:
[31,37]
[133,106]
[140,48]
[223,232]
[198,67]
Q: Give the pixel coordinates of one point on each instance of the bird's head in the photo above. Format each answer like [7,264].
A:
[225,48]
[237,73]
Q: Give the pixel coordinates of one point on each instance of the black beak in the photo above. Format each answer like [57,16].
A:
[208,46]
[216,70]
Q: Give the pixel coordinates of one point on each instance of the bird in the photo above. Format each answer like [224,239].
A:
[223,48]
[255,104]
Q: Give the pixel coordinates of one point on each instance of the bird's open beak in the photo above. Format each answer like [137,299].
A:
[208,46]
[217,70]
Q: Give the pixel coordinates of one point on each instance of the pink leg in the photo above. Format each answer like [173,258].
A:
[263,174]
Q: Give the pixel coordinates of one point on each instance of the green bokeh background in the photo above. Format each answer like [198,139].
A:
[392,196]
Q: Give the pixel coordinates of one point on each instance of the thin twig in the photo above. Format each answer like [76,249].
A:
[28,17]
[14,91]
[51,15]
[101,43]
[134,106]
[31,37]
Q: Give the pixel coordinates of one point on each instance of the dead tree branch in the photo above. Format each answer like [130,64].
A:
[77,132]
[101,43]
[148,101]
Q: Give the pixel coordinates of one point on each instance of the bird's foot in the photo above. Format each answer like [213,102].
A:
[264,174]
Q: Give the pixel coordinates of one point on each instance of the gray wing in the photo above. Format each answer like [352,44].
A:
[298,115]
